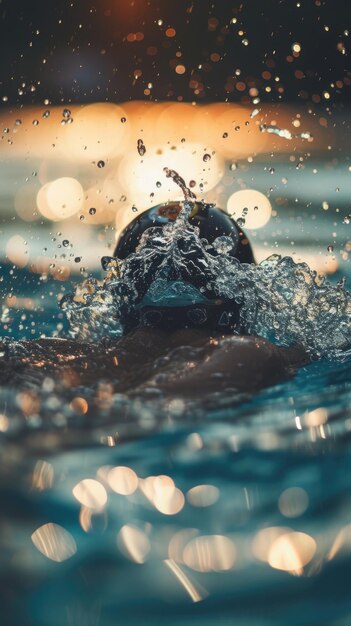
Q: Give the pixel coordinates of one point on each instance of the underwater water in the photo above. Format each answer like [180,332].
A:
[149,509]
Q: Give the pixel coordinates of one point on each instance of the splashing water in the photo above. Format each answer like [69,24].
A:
[280,300]
[178,180]
[284,132]
[141,147]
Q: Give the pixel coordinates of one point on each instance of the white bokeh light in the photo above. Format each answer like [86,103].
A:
[60,198]
[250,205]
[141,177]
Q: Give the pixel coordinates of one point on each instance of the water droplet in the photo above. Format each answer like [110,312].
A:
[237,128]
[330,248]
[81,217]
[46,114]
[134,209]
[35,122]
[141,147]
[206,157]
[233,167]
[18,122]
[158,184]
[240,221]
[101,164]
[225,135]
[123,198]
[123,120]
[65,243]
[347,219]
[271,170]
[105,262]
[78,259]
[92,211]
[223,244]
[192,183]
[66,113]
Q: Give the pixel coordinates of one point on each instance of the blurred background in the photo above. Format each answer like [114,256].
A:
[247,506]
[249,103]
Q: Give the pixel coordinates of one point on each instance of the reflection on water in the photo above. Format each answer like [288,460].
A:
[157,508]
[153,509]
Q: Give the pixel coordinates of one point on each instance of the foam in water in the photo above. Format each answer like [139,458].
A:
[283,301]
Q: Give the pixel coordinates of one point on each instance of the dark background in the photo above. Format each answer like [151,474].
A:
[80,50]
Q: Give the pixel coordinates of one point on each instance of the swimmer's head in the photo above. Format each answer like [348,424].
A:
[211,221]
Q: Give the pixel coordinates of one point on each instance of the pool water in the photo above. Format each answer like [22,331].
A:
[151,510]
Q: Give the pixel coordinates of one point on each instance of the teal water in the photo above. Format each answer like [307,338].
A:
[218,512]
[281,461]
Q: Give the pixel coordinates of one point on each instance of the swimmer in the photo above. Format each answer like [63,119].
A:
[190,346]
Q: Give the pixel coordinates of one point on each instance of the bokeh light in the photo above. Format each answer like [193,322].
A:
[54,542]
[141,177]
[60,198]
[97,133]
[251,207]
[90,493]
[291,552]
[211,553]
[133,543]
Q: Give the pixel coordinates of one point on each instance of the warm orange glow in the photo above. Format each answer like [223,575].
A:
[60,199]
[17,251]
[97,133]
[80,405]
[89,159]
[143,177]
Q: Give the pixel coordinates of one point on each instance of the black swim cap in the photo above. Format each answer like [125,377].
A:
[211,221]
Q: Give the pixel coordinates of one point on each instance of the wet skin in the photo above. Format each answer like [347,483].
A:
[186,362]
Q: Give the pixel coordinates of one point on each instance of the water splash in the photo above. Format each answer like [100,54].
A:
[280,300]
[284,133]
[141,147]
[283,301]
[178,180]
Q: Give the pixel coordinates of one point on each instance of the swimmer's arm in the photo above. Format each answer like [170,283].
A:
[244,364]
